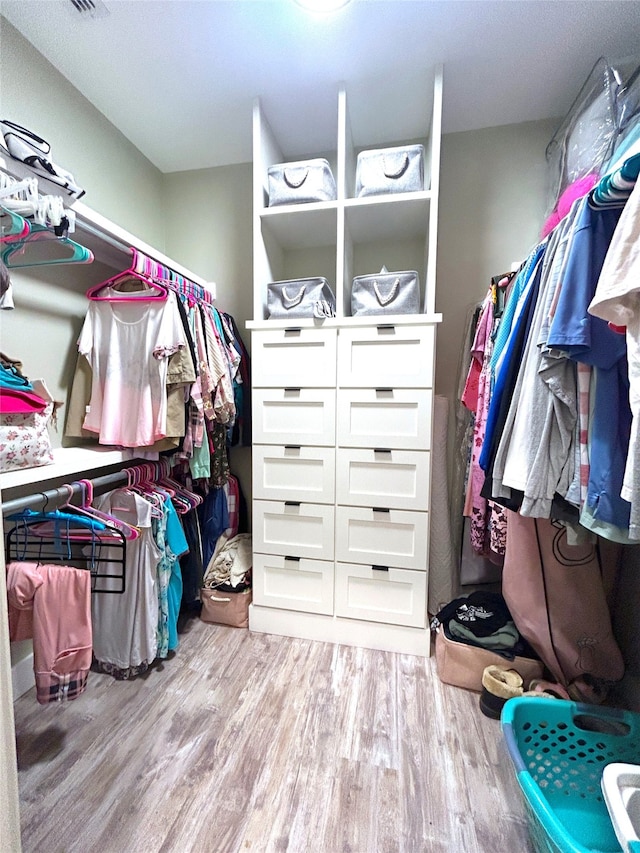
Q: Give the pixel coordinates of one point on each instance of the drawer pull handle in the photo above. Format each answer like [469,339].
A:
[292,446]
[387,327]
[380,509]
[294,330]
[380,568]
[292,390]
[384,390]
[292,503]
[289,559]
[381,450]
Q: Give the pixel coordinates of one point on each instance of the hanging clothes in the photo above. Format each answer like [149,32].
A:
[127,345]
[486,524]
[125,626]
[191,564]
[557,441]
[172,544]
[51,604]
[617,300]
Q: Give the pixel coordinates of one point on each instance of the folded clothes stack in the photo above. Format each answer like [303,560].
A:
[482,619]
[17,394]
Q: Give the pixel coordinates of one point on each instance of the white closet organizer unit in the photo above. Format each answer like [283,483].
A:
[342,407]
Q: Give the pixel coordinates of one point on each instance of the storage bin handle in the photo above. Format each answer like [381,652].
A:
[390,172]
[391,295]
[293,182]
[292,301]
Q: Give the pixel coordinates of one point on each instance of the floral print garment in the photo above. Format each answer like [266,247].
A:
[487,524]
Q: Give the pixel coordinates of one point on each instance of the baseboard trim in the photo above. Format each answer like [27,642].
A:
[348,632]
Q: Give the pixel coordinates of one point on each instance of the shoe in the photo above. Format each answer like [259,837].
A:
[499,683]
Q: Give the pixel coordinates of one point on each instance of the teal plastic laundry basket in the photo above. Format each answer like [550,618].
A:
[559,750]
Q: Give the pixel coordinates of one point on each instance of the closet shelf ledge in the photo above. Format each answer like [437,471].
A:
[67,462]
[113,231]
[99,224]
[347,322]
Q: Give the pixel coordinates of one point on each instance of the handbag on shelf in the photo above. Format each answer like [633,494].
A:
[25,417]
[300,298]
[390,170]
[25,145]
[300,183]
[386,293]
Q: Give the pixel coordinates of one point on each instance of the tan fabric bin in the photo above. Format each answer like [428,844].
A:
[462,665]
[226,608]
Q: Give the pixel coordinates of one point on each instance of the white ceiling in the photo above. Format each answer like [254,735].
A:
[178,77]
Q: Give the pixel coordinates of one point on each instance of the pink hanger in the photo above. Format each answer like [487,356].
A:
[86,508]
[153,291]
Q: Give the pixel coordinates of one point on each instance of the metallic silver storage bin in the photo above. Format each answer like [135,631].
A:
[386,293]
[390,170]
[300,183]
[299,298]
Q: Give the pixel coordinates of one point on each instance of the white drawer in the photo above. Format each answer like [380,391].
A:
[382,537]
[291,472]
[384,417]
[296,530]
[401,356]
[293,583]
[384,594]
[396,478]
[294,416]
[294,357]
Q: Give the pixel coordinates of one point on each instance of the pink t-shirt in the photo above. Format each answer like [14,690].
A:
[128,345]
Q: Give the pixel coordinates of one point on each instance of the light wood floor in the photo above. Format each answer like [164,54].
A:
[251,742]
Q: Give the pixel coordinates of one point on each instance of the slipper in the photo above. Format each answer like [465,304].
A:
[502,681]
[499,683]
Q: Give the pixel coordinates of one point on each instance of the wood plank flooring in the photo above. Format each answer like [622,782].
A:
[252,742]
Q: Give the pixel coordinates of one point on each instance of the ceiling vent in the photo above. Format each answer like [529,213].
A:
[90,8]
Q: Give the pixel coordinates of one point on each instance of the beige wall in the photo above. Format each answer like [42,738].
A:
[209,231]
[492,204]
[120,182]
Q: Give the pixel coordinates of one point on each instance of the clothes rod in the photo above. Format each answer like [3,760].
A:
[62,492]
[102,236]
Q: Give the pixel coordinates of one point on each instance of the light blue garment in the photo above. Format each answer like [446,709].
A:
[176,545]
[518,287]
[200,461]
[512,350]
